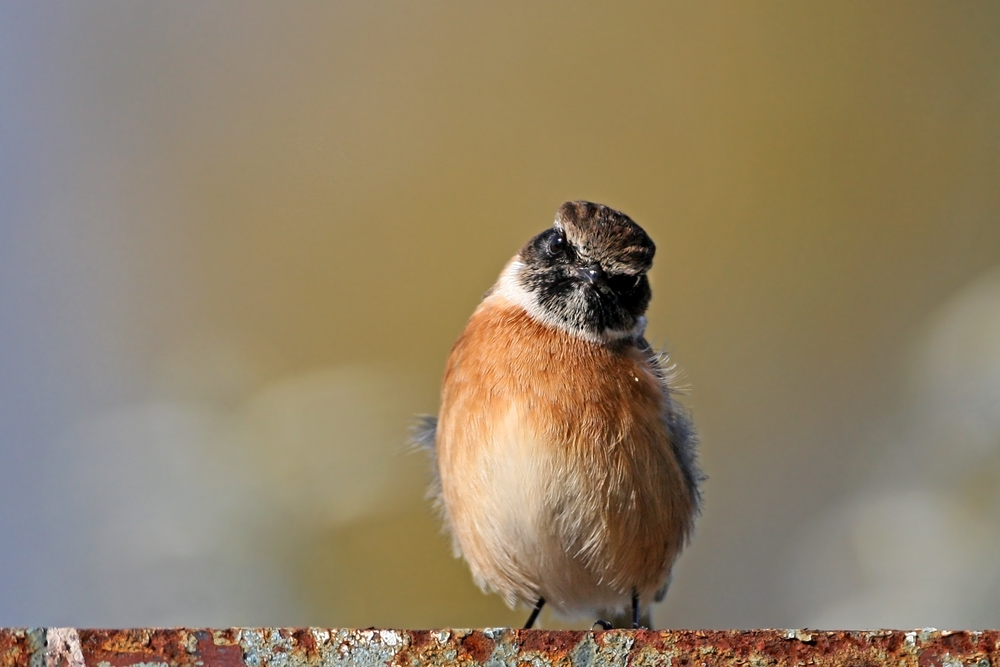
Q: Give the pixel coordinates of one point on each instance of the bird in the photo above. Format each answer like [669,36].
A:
[565,469]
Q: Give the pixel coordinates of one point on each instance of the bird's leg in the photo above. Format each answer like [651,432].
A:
[534,613]
[630,617]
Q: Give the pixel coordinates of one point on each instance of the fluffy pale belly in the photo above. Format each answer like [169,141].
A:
[582,524]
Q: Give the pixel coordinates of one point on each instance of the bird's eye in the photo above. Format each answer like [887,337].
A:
[557,244]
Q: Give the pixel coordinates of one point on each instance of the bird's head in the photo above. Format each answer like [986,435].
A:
[586,274]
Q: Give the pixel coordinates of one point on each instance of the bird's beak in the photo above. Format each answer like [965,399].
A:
[590,274]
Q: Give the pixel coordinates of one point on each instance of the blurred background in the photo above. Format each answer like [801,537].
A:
[237,241]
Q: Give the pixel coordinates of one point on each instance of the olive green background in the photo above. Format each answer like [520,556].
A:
[238,239]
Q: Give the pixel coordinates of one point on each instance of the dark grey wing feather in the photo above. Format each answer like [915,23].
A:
[662,593]
[424,433]
[423,437]
[683,438]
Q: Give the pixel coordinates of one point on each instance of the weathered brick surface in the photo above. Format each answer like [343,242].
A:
[307,647]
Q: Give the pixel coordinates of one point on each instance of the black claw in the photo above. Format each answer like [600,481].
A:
[604,624]
[534,613]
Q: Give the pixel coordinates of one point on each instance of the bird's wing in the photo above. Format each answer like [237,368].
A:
[683,438]
[424,432]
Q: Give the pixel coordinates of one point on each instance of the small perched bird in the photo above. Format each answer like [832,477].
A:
[566,470]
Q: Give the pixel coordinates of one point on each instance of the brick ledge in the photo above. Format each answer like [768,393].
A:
[307,647]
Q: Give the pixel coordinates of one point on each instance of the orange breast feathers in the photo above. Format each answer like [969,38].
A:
[558,478]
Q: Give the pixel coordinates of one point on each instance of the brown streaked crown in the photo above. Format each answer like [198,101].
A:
[607,235]
[587,273]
